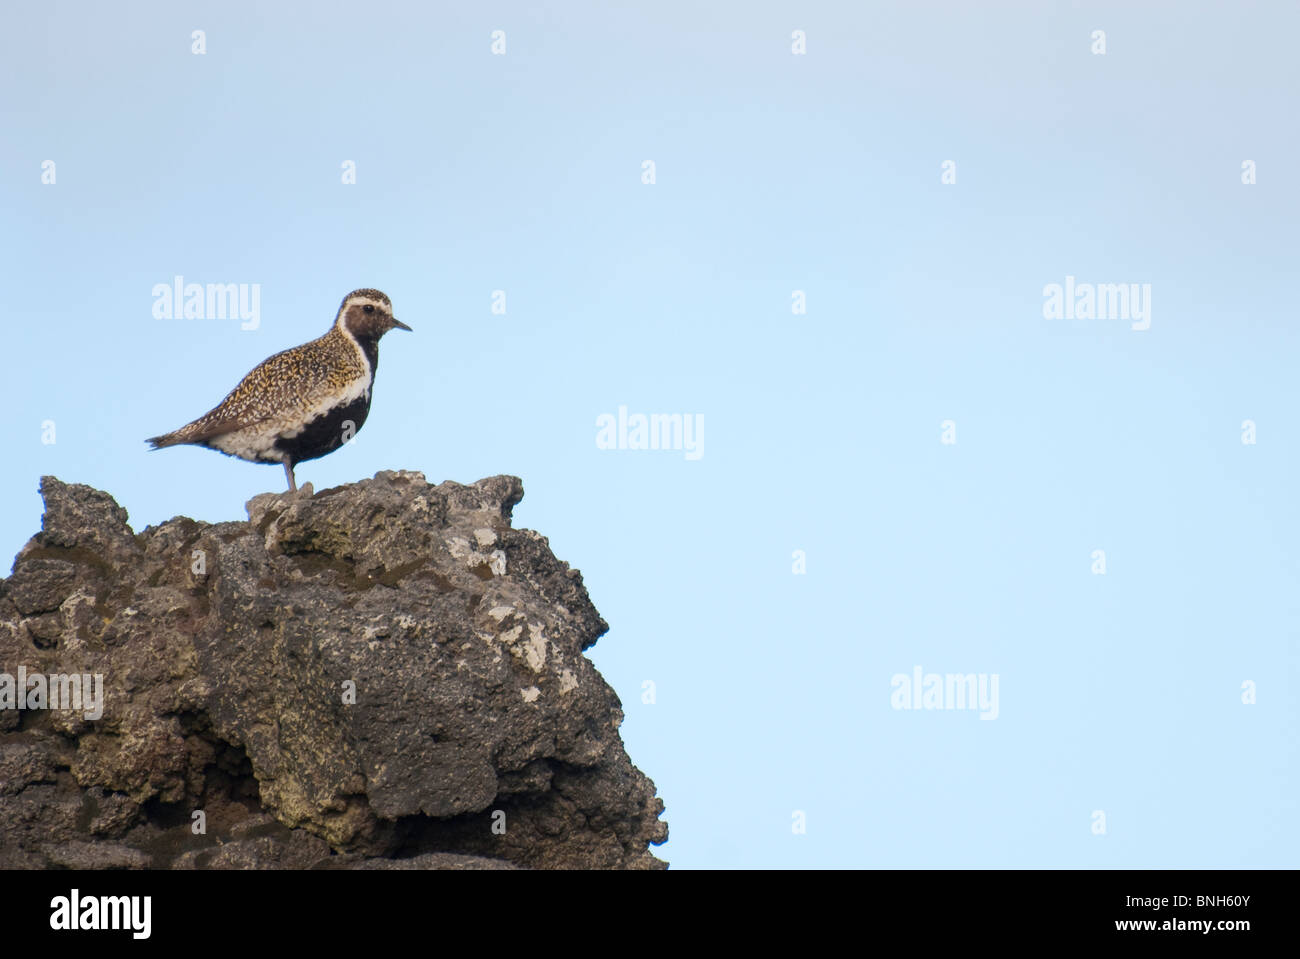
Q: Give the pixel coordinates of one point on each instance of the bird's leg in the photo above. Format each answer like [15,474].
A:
[288,471]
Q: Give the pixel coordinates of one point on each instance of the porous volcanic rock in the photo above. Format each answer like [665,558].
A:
[381,675]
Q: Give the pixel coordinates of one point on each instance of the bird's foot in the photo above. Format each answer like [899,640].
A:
[304,491]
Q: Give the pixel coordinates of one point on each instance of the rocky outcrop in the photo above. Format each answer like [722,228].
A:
[382,675]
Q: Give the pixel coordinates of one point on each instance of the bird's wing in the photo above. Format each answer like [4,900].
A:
[287,384]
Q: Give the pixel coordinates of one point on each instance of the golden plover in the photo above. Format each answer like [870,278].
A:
[302,403]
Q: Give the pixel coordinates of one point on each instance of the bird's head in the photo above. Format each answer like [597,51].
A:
[367,315]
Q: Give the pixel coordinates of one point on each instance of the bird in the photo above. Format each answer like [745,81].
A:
[302,403]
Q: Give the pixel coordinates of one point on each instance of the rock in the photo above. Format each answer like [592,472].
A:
[381,675]
[436,860]
[95,855]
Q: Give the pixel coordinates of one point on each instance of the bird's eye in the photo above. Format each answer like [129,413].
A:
[368,308]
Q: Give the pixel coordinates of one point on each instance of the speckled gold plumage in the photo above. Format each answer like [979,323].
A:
[299,393]
[285,386]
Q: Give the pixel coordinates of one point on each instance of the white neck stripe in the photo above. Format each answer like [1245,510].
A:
[361,354]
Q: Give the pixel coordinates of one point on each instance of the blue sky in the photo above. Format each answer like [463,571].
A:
[775,172]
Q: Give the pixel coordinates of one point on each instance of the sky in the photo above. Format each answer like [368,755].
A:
[825,234]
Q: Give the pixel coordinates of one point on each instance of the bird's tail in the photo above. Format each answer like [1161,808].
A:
[161,442]
[200,430]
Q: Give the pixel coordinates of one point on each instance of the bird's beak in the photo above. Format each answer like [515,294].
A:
[400,325]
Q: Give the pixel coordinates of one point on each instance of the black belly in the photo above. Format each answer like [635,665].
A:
[325,434]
